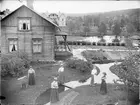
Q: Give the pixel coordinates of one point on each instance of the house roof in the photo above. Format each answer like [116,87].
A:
[34,12]
[59,33]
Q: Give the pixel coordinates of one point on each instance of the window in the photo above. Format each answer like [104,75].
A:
[12,45]
[37,45]
[24,24]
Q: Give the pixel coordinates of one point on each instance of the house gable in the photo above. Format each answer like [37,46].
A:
[23,11]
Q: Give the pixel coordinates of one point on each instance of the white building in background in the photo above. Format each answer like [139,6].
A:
[60,18]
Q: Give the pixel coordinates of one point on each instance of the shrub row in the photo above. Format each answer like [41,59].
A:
[92,43]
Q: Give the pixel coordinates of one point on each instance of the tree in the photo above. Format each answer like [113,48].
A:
[78,24]
[134,17]
[87,23]
[128,72]
[86,29]
[130,28]
[102,29]
[122,23]
[129,69]
[116,29]
[110,23]
[97,20]
[71,26]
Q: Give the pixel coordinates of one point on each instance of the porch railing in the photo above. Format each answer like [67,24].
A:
[61,48]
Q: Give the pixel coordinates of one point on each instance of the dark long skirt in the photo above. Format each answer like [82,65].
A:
[54,95]
[61,78]
[103,88]
[92,80]
[31,80]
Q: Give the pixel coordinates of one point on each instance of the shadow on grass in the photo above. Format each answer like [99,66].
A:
[45,96]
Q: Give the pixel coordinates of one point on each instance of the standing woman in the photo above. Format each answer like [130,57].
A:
[103,88]
[61,77]
[61,73]
[31,76]
[54,91]
[95,71]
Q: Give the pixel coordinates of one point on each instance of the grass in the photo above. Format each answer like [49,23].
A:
[16,96]
[89,95]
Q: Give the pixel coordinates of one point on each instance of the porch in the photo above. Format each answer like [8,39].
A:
[62,51]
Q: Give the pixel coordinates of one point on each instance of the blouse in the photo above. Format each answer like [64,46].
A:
[31,70]
[61,69]
[94,71]
[104,77]
[54,84]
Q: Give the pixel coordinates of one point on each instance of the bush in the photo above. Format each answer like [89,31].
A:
[91,55]
[79,65]
[128,69]
[116,40]
[14,64]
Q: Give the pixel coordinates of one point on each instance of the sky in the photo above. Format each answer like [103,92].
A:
[56,6]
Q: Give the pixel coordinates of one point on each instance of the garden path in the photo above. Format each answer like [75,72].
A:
[102,67]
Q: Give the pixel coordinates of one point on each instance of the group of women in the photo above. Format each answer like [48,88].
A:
[59,80]
[103,87]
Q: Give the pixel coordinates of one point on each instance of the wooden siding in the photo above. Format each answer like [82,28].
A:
[40,28]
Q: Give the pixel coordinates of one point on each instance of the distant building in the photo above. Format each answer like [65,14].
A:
[59,18]
[54,17]
[62,20]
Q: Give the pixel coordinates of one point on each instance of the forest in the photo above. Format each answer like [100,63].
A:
[113,22]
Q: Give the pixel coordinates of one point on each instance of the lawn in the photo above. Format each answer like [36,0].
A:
[16,96]
[91,96]
[87,94]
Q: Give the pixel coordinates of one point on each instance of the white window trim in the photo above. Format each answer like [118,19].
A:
[21,21]
[37,44]
[12,42]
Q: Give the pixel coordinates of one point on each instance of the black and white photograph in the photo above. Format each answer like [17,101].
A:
[69,52]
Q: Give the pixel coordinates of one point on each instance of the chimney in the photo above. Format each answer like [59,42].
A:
[30,4]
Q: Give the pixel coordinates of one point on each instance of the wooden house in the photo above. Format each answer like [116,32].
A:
[25,30]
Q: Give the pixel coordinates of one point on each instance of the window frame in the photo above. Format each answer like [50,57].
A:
[24,18]
[12,39]
[39,39]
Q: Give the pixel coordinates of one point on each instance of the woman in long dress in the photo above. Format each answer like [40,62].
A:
[31,76]
[103,88]
[95,71]
[54,91]
[61,77]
